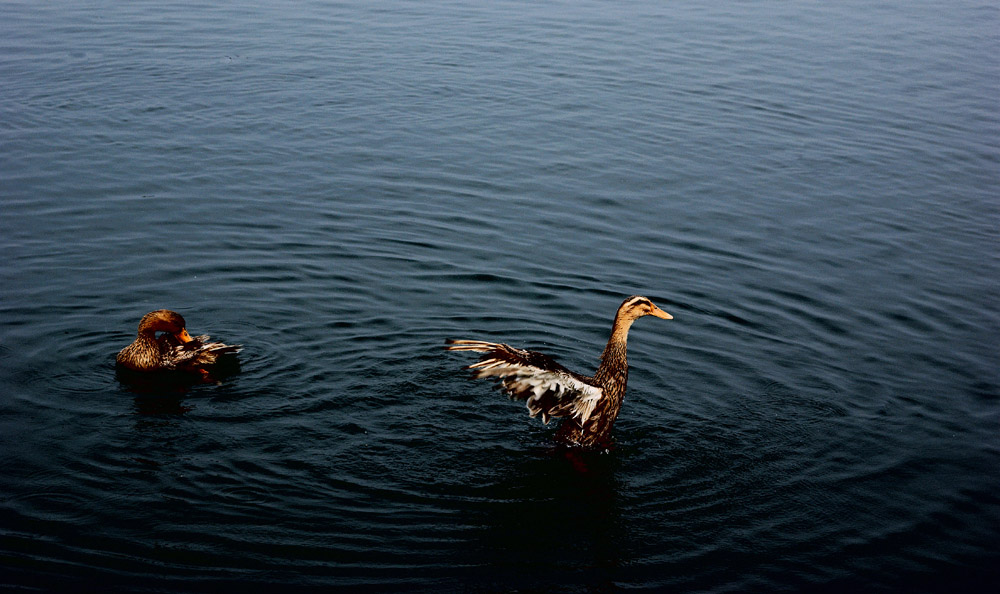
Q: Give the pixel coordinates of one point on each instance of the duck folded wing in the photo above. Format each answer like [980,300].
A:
[547,387]
[196,353]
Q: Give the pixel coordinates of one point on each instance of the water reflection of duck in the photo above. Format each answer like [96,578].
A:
[174,350]
[589,405]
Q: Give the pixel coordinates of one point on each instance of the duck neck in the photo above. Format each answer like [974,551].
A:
[148,347]
[143,354]
[613,360]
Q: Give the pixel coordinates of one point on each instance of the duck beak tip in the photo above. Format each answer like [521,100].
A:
[662,314]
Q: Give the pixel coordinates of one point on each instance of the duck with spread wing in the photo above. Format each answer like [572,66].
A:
[587,405]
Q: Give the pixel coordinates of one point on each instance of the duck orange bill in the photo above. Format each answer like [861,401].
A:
[183,336]
[661,314]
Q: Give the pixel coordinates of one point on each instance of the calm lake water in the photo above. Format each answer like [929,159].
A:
[812,189]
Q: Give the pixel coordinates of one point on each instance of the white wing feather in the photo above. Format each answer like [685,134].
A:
[547,387]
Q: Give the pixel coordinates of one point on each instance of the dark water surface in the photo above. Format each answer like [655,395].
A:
[810,188]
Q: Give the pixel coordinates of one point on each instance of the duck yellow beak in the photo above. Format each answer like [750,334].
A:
[183,336]
[660,313]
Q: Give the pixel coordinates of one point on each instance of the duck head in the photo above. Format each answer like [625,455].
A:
[164,320]
[637,306]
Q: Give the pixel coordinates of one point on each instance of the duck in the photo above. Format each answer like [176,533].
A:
[587,405]
[174,350]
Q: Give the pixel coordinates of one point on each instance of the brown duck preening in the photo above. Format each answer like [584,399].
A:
[587,405]
[174,350]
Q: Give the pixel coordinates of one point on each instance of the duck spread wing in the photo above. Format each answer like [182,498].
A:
[547,387]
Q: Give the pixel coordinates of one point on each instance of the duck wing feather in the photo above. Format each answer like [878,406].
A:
[547,387]
[197,353]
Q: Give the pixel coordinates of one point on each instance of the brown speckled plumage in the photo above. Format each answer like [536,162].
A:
[174,350]
[588,405]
